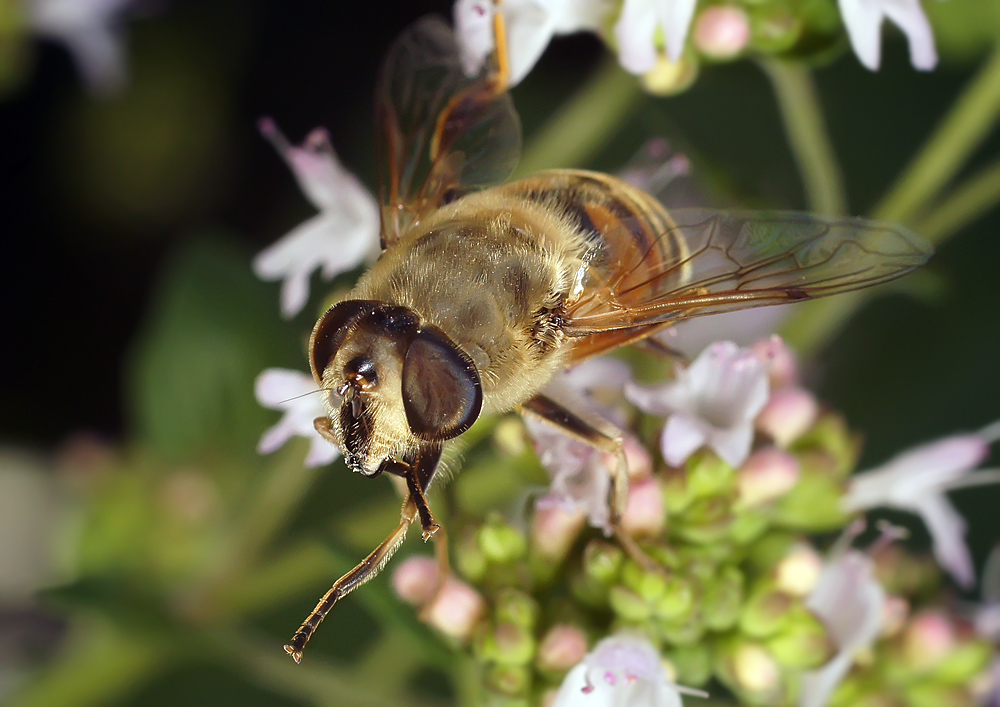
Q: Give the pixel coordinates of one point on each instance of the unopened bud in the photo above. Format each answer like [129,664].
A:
[687,631]
[708,476]
[799,572]
[554,530]
[787,415]
[803,643]
[929,637]
[765,611]
[637,457]
[722,599]
[668,78]
[782,364]
[511,680]
[603,562]
[755,670]
[500,543]
[693,664]
[895,612]
[455,610]
[722,31]
[561,648]
[627,604]
[766,475]
[510,644]
[677,600]
[644,516]
[415,579]
[516,607]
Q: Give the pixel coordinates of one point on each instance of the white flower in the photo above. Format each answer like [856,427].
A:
[849,601]
[863,19]
[581,474]
[90,30]
[581,477]
[339,238]
[636,31]
[624,671]
[531,24]
[713,402]
[917,480]
[282,389]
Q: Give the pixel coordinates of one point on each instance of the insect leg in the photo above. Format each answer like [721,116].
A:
[367,569]
[607,441]
[325,429]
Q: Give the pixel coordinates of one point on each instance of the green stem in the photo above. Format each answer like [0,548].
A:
[962,130]
[967,202]
[584,123]
[802,116]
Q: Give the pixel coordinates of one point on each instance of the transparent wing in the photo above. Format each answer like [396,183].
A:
[714,262]
[440,133]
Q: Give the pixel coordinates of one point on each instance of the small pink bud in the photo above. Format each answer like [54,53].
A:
[455,610]
[783,365]
[554,530]
[895,612]
[768,474]
[929,638]
[644,515]
[799,571]
[562,647]
[755,670]
[638,458]
[415,579]
[788,413]
[722,31]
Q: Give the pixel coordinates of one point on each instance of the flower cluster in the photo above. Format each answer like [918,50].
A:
[651,35]
[721,579]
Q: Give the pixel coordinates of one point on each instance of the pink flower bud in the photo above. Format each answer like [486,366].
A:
[722,31]
[644,515]
[415,579]
[789,413]
[799,572]
[561,648]
[455,610]
[638,458]
[895,612]
[554,530]
[768,474]
[929,638]
[783,365]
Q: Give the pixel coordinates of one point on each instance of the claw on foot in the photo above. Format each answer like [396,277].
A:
[430,530]
[296,655]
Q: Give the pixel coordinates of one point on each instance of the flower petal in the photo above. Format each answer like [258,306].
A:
[635,33]
[675,18]
[947,529]
[732,444]
[909,16]
[681,437]
[863,19]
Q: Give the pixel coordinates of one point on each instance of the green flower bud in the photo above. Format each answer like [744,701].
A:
[500,543]
[516,607]
[676,601]
[802,643]
[774,28]
[771,549]
[649,585]
[603,562]
[507,644]
[469,558]
[706,521]
[963,662]
[765,612]
[629,605]
[687,631]
[677,495]
[813,504]
[833,440]
[709,476]
[749,670]
[748,525]
[511,680]
[693,664]
[722,599]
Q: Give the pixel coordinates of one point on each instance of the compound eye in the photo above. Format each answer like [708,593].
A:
[331,330]
[442,393]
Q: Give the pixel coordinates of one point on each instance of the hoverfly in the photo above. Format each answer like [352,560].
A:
[483,293]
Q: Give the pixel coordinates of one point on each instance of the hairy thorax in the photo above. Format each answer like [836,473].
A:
[493,273]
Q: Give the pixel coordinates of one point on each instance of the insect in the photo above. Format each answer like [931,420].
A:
[483,293]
